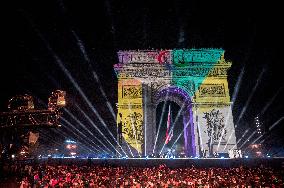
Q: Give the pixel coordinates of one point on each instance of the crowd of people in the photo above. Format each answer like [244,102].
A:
[77,176]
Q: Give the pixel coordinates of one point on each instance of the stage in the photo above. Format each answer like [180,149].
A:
[174,162]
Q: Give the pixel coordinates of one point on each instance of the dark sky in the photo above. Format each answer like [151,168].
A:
[38,32]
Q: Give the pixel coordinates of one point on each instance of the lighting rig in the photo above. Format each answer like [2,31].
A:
[22,117]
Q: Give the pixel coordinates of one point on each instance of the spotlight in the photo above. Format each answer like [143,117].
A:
[246,156]
[222,157]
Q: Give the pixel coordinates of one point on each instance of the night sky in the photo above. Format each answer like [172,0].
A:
[85,36]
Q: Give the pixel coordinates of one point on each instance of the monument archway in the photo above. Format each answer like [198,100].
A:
[196,79]
[183,100]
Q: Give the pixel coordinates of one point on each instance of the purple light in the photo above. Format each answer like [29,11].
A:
[174,91]
[183,97]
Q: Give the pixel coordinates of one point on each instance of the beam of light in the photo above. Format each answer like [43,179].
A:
[83,137]
[75,84]
[93,124]
[60,132]
[181,26]
[160,122]
[86,137]
[129,149]
[65,137]
[87,59]
[82,134]
[67,73]
[110,15]
[180,134]
[279,150]
[246,131]
[85,128]
[239,81]
[96,127]
[62,6]
[261,142]
[235,94]
[271,127]
[248,139]
[133,129]
[199,135]
[276,123]
[170,132]
[82,48]
[145,125]
[145,33]
[48,137]
[232,132]
[256,139]
[250,97]
[238,84]
[109,12]
[181,37]
[55,130]
[172,128]
[83,145]
[86,146]
[223,131]
[270,102]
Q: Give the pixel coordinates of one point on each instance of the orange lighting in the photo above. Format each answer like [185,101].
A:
[71,146]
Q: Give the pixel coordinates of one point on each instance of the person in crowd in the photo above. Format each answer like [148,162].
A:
[91,176]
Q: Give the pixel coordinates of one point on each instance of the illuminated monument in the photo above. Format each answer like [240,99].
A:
[195,79]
